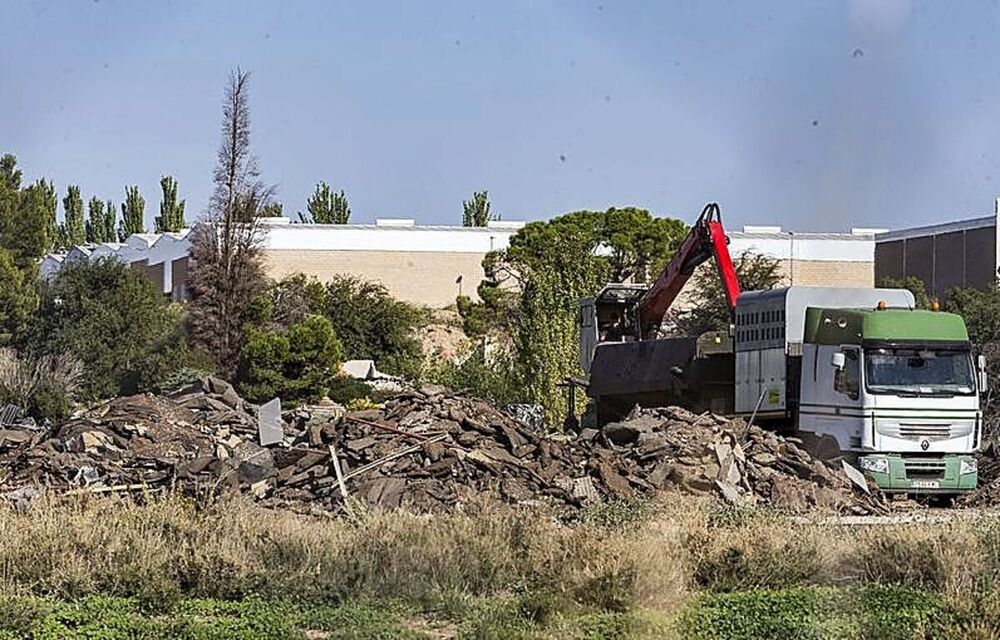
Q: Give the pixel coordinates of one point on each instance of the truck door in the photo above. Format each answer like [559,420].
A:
[847,380]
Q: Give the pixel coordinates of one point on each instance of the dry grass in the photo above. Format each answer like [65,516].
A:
[22,377]
[168,548]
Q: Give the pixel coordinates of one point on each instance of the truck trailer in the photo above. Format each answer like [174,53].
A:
[853,372]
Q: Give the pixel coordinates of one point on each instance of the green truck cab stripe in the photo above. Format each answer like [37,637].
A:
[852,326]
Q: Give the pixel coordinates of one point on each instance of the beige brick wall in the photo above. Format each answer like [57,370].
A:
[428,278]
[824,273]
[421,277]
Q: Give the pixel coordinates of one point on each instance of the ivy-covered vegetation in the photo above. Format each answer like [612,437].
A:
[529,300]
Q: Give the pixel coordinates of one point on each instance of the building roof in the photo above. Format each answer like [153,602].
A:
[937,229]
[396,235]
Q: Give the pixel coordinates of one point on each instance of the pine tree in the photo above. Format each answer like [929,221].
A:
[326,206]
[132,213]
[171,216]
[476,212]
[75,229]
[227,269]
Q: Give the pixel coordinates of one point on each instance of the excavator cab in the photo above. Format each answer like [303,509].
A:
[608,317]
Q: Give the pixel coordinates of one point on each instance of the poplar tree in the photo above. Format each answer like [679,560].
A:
[74,228]
[326,206]
[101,221]
[132,213]
[171,216]
[95,220]
[476,212]
[27,231]
[110,222]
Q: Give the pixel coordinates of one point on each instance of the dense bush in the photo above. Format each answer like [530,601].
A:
[368,321]
[113,320]
[298,364]
[478,373]
[345,389]
[375,326]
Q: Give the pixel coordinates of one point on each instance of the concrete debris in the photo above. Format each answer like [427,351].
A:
[269,426]
[427,450]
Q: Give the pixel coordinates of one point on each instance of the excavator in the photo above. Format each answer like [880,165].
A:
[621,347]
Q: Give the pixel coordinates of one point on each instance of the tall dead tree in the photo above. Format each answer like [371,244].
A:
[227,264]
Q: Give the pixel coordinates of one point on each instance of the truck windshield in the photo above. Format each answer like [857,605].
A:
[919,372]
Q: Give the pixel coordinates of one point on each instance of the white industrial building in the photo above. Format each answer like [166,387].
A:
[429,265]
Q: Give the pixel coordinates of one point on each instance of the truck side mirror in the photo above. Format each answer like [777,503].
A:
[981,370]
[838,360]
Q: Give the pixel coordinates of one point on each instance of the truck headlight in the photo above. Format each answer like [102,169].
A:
[874,465]
[968,466]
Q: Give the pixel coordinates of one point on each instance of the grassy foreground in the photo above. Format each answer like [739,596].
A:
[168,568]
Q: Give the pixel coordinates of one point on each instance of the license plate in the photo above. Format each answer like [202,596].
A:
[924,484]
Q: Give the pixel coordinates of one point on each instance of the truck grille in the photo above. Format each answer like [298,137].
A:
[924,468]
[926,431]
[929,431]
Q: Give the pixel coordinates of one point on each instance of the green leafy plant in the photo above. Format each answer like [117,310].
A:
[297,365]
[113,319]
[548,267]
[708,309]
[914,284]
[373,325]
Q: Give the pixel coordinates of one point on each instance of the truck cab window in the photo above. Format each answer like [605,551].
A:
[848,379]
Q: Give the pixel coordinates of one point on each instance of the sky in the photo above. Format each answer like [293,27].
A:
[817,116]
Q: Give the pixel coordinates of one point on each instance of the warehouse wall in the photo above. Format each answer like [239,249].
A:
[942,259]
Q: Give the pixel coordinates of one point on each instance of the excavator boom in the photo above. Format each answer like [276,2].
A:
[707,239]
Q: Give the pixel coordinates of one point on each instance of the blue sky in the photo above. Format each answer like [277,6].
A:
[812,115]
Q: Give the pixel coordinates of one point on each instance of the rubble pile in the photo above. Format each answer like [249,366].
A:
[671,448]
[427,450]
[139,442]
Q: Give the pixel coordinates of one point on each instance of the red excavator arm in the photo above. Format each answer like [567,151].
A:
[706,239]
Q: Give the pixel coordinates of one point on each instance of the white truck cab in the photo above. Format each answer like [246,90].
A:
[862,373]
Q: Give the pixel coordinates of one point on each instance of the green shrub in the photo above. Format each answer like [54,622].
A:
[485,377]
[112,319]
[180,378]
[375,326]
[344,389]
[298,365]
[368,321]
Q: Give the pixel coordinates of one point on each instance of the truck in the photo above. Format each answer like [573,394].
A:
[855,373]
